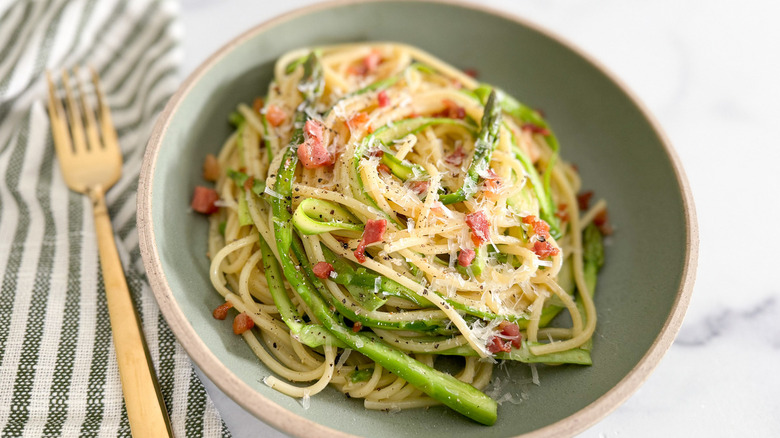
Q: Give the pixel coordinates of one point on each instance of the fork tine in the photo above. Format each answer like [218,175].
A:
[76,128]
[89,116]
[59,127]
[106,125]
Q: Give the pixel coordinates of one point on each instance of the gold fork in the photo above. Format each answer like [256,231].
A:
[91,166]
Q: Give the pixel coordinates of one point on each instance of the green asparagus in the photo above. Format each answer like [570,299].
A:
[483,149]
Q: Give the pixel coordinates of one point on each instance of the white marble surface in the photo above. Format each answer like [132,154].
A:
[710,72]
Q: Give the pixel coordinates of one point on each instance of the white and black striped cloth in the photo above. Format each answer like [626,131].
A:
[58,372]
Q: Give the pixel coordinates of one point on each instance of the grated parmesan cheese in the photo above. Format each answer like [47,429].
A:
[306,400]
[343,359]
[269,191]
[534,374]
[545,263]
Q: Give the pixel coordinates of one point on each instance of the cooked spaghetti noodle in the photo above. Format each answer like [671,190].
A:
[430,215]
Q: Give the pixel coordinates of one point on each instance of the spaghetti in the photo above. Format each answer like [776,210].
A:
[379,210]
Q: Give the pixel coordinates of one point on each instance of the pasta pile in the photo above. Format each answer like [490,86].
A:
[379,209]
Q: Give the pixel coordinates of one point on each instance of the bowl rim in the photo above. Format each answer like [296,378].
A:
[285,420]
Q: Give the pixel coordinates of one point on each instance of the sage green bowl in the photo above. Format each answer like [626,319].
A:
[621,153]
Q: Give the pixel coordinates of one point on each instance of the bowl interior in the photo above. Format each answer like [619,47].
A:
[619,153]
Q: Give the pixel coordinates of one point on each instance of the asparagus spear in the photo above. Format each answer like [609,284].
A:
[459,396]
[521,112]
[593,260]
[312,335]
[315,216]
[364,277]
[523,354]
[592,255]
[358,315]
[381,84]
[541,183]
[236,119]
[518,110]
[483,149]
[295,63]
[258,187]
[346,274]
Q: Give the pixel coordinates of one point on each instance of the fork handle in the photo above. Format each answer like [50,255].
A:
[145,405]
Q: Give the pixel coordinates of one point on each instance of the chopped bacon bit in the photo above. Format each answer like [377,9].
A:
[511,332]
[413,115]
[583,199]
[456,157]
[312,152]
[313,129]
[562,213]
[322,269]
[496,344]
[492,187]
[368,64]
[471,72]
[382,99]
[356,327]
[275,115]
[373,232]
[378,153]
[372,61]
[540,227]
[210,168]
[491,183]
[370,129]
[466,256]
[602,222]
[451,110]
[257,104]
[544,249]
[249,183]
[382,167]
[358,120]
[419,187]
[242,323]
[535,129]
[480,227]
[222,310]
[204,199]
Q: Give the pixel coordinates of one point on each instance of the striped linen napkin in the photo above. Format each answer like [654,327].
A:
[58,371]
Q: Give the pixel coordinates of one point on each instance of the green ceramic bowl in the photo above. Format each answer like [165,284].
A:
[622,155]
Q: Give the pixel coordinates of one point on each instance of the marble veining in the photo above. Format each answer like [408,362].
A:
[760,319]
